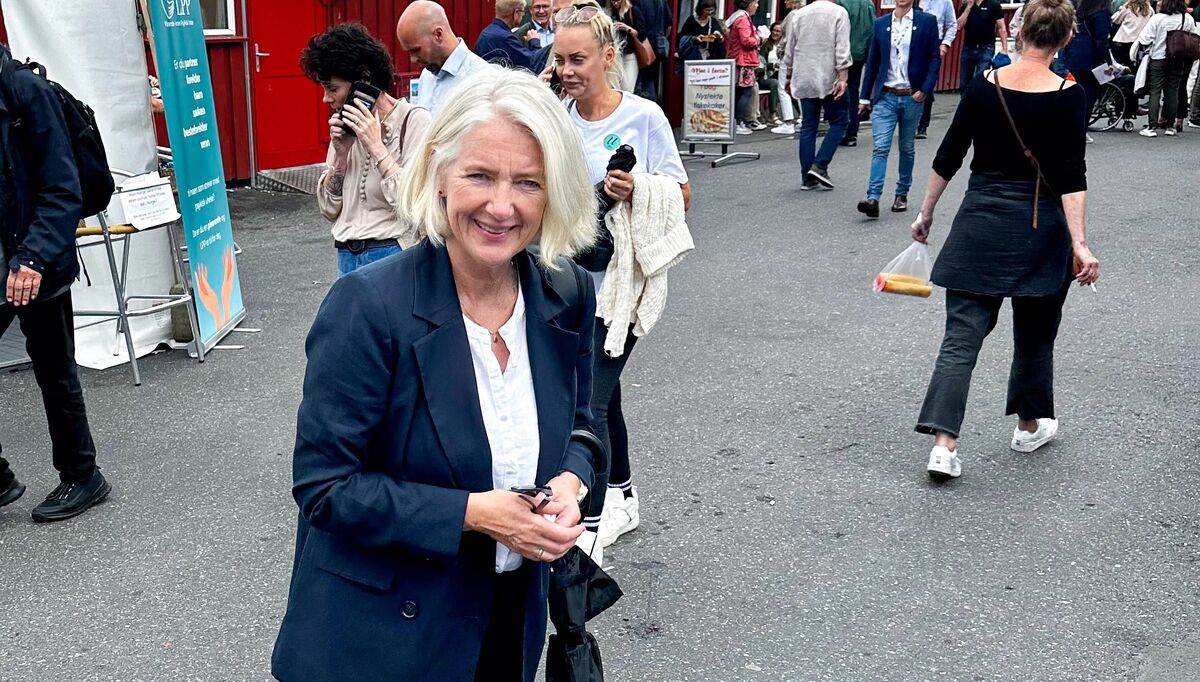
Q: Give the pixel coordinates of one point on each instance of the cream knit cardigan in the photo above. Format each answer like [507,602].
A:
[649,236]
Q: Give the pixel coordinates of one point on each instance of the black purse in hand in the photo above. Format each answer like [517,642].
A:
[597,258]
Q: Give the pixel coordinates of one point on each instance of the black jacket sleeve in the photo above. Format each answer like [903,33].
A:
[53,177]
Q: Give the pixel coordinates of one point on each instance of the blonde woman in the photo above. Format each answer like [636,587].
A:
[621,13]
[586,49]
[1131,19]
[438,382]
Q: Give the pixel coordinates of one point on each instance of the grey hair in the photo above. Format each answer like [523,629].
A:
[489,94]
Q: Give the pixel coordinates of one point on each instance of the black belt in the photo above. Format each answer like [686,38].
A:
[903,92]
[357,246]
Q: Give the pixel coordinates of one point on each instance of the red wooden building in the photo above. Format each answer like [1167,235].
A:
[271,116]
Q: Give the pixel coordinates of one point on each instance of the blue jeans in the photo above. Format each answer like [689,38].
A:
[348,261]
[889,112]
[973,62]
[837,113]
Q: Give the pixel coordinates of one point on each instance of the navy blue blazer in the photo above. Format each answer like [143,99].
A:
[390,441]
[497,44]
[924,56]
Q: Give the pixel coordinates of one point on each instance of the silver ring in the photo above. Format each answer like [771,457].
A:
[541,552]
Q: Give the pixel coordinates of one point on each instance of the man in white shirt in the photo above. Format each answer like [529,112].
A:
[424,33]
[539,27]
[902,69]
[947,23]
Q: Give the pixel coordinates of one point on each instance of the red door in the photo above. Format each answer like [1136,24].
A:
[290,126]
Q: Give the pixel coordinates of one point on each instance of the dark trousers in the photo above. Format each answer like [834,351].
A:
[927,113]
[741,106]
[49,330]
[1183,96]
[853,86]
[810,119]
[608,421]
[501,659]
[974,61]
[1163,81]
[969,319]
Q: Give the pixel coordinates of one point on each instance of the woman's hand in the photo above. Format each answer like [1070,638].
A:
[619,185]
[564,506]
[509,519]
[341,141]
[364,124]
[921,227]
[1089,265]
[547,74]
[622,26]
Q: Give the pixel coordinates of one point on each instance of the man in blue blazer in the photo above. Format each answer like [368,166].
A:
[902,70]
[497,43]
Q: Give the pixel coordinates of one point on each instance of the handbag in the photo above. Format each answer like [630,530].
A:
[1181,43]
[1041,178]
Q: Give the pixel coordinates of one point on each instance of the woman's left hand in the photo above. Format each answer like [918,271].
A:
[1089,265]
[362,121]
[619,185]
[564,506]
[622,26]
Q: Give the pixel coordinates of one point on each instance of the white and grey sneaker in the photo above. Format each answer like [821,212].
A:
[944,464]
[620,516]
[589,542]
[784,129]
[1024,441]
[741,129]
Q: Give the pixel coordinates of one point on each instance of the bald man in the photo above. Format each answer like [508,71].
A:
[424,33]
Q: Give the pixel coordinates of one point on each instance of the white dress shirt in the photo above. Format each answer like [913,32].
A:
[509,408]
[901,35]
[432,88]
[545,34]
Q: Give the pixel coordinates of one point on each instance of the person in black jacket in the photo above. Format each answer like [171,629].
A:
[40,203]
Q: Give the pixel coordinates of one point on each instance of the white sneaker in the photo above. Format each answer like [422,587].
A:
[589,542]
[1090,139]
[620,516]
[1169,132]
[758,125]
[784,129]
[743,130]
[1147,132]
[1192,124]
[1023,441]
[944,464]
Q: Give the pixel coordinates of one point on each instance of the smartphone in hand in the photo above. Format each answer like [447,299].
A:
[364,92]
[533,491]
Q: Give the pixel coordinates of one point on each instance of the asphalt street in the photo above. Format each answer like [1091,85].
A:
[789,531]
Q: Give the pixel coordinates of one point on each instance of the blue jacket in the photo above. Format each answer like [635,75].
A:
[390,441]
[40,199]
[924,56]
[498,45]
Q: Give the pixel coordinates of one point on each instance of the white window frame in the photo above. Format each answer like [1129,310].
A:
[231,12]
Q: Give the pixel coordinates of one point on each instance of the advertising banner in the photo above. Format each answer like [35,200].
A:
[182,59]
[708,97]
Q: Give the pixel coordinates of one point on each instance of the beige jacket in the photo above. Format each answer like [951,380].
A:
[649,237]
[368,206]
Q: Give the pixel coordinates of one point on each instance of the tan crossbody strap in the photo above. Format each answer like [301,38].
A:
[1041,179]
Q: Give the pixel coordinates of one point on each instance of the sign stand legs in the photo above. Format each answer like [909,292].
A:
[726,155]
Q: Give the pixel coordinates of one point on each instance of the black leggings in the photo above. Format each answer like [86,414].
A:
[608,421]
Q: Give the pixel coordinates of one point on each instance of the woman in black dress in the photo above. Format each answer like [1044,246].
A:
[1015,236]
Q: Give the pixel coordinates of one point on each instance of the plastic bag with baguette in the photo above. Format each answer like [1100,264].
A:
[908,274]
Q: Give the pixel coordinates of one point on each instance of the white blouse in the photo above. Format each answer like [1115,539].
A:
[509,408]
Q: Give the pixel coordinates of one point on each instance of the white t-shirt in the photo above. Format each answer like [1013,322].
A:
[638,123]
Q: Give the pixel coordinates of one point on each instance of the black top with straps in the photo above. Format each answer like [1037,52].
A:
[1053,125]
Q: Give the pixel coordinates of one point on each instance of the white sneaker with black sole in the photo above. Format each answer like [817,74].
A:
[620,515]
[589,542]
[1024,441]
[944,464]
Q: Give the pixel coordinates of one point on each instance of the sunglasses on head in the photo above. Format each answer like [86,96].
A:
[581,12]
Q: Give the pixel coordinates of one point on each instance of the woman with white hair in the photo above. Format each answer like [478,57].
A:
[444,391]
[644,233]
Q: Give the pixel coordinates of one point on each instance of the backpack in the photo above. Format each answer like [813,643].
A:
[95,181]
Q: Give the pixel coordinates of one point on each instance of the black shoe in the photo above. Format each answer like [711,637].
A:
[850,142]
[900,205]
[11,493]
[869,208]
[922,133]
[820,175]
[72,499]
[809,184]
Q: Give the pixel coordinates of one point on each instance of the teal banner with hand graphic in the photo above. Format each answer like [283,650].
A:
[192,127]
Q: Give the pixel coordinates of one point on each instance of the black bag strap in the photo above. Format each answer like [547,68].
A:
[1037,167]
